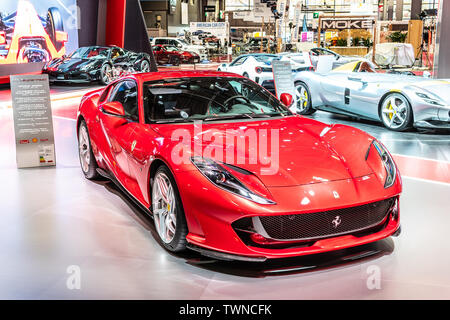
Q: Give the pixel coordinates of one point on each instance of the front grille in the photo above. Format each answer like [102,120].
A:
[317,225]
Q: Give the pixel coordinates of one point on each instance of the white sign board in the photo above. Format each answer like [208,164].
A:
[219,29]
[33,125]
[283,79]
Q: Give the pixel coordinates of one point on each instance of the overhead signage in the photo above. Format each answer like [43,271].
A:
[350,23]
[33,125]
[219,29]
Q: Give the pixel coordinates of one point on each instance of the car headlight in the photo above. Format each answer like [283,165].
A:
[388,163]
[222,178]
[429,99]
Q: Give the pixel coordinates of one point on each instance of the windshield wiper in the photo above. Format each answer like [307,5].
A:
[236,116]
[172,120]
[268,115]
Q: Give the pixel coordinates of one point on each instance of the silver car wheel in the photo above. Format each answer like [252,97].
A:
[394,111]
[84,148]
[163,204]
[145,66]
[107,74]
[302,98]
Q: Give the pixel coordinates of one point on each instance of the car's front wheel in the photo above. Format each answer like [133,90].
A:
[396,112]
[168,214]
[87,159]
[303,99]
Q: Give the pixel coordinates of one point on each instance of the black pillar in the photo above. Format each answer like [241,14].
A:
[416,9]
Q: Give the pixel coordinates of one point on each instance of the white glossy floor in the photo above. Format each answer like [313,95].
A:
[54,218]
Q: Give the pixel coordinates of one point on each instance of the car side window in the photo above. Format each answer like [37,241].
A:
[238,61]
[125,92]
[160,41]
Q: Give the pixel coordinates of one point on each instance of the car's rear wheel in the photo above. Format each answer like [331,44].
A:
[396,112]
[87,159]
[145,66]
[168,214]
[174,60]
[106,74]
[303,99]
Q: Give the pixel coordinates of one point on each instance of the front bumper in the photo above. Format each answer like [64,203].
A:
[210,221]
[431,117]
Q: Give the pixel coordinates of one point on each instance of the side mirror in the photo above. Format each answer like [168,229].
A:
[286,99]
[114,108]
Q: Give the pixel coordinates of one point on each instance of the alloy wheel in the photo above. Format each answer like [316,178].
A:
[107,74]
[394,111]
[84,149]
[302,98]
[164,207]
[145,66]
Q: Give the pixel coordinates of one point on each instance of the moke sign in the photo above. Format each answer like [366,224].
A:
[350,23]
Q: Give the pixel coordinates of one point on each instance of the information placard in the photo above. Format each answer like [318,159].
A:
[33,125]
[283,80]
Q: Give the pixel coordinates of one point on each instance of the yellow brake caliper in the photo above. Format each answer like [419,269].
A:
[306,99]
[391,114]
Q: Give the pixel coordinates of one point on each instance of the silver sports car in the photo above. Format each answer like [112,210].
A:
[355,89]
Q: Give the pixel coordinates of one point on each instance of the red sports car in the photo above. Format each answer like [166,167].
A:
[172,55]
[227,170]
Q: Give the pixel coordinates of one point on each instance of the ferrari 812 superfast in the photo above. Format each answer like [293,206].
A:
[224,168]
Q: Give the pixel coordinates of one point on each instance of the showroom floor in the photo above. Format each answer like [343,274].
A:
[53,218]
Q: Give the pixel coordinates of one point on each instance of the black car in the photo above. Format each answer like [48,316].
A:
[97,63]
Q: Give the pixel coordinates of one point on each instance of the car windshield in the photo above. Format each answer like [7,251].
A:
[170,48]
[208,99]
[183,42]
[90,53]
[267,58]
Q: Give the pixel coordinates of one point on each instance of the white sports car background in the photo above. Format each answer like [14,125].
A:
[258,66]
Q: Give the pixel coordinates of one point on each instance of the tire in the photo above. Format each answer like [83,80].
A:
[396,113]
[175,61]
[106,69]
[87,160]
[145,66]
[172,238]
[54,22]
[304,105]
